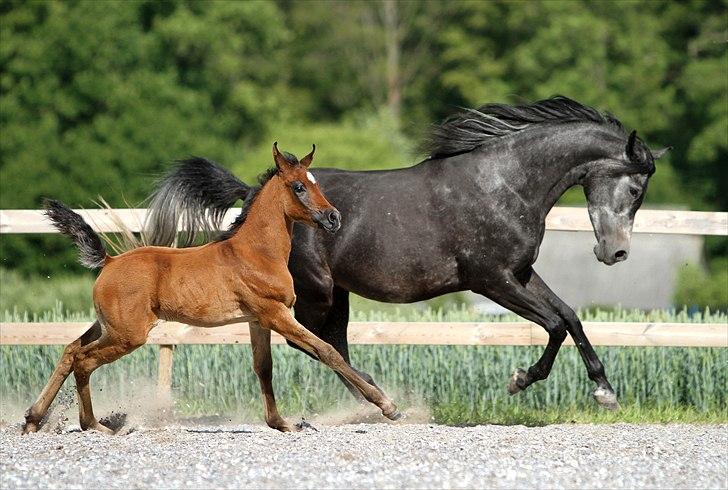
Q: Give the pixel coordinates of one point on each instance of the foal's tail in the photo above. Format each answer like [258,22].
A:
[91,252]
[197,191]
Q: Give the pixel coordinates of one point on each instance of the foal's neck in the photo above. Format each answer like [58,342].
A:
[267,229]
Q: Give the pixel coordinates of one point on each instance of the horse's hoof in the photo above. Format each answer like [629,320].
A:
[97,426]
[397,415]
[393,414]
[30,427]
[288,428]
[606,398]
[517,382]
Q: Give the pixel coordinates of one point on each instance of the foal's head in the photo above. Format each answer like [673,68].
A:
[614,191]
[304,200]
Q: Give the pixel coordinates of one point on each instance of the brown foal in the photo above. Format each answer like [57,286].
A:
[245,273]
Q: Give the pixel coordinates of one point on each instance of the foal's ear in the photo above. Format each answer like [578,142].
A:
[659,153]
[281,162]
[306,161]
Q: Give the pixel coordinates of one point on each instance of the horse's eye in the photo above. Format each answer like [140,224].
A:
[298,188]
[634,191]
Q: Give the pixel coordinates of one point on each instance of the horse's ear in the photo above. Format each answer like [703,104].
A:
[629,150]
[659,153]
[306,161]
[279,159]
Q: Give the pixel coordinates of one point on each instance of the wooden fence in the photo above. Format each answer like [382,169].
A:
[418,333]
[560,218]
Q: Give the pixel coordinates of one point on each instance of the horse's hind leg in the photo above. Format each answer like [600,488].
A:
[35,414]
[263,367]
[114,343]
[526,297]
[334,332]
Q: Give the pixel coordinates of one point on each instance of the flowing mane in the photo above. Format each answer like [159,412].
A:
[471,128]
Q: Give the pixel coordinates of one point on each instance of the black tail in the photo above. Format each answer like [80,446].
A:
[91,252]
[197,191]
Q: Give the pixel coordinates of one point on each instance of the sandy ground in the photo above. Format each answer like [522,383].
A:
[418,455]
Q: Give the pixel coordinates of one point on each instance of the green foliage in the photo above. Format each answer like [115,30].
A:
[96,98]
[360,141]
[36,294]
[704,289]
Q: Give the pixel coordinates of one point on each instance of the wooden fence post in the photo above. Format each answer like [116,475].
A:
[164,382]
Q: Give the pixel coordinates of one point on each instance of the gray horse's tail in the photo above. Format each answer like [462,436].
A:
[198,192]
[91,251]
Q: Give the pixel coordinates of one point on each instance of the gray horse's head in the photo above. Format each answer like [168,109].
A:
[614,191]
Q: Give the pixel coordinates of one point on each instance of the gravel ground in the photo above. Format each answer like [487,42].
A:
[371,455]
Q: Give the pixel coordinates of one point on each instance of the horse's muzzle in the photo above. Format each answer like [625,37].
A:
[610,258]
[329,220]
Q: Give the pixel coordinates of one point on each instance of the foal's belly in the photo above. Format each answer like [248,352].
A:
[215,319]
[195,304]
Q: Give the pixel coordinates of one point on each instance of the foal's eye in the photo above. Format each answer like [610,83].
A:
[298,188]
[634,192]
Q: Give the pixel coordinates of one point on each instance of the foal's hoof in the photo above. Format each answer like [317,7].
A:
[393,414]
[30,427]
[518,381]
[606,398]
[397,415]
[101,428]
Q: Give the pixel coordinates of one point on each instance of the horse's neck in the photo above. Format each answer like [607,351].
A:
[546,162]
[267,230]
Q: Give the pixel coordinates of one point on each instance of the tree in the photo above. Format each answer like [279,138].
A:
[97,97]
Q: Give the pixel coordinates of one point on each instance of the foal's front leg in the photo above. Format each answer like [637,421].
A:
[263,367]
[277,317]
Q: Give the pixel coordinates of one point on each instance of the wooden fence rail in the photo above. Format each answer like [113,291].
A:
[560,218]
[639,334]
[169,334]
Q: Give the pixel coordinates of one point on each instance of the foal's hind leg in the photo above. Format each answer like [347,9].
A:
[114,343]
[263,367]
[35,414]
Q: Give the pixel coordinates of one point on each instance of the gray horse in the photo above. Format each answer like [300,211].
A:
[469,217]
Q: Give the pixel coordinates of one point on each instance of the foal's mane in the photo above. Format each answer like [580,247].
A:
[250,198]
[471,128]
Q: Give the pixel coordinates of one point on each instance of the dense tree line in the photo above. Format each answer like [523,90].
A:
[96,98]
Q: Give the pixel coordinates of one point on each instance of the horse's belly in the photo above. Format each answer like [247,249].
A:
[400,284]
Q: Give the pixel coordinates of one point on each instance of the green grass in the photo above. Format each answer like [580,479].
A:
[459,384]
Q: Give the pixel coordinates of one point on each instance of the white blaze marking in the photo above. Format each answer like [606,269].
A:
[311,177]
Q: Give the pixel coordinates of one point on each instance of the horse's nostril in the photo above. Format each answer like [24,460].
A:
[620,255]
[334,217]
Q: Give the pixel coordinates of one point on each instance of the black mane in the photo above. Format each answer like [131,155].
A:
[471,128]
[249,199]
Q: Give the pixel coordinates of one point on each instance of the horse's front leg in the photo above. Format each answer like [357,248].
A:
[263,367]
[278,318]
[528,296]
